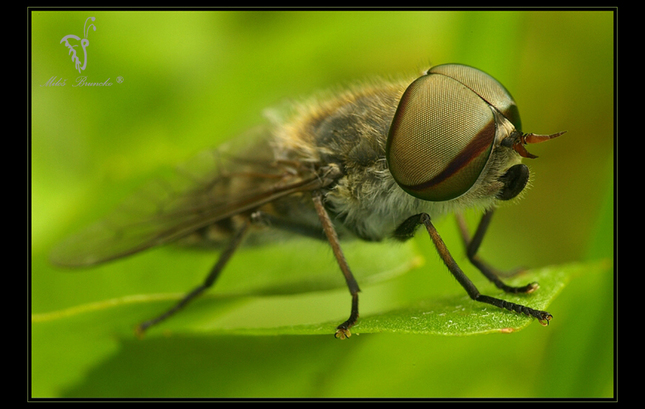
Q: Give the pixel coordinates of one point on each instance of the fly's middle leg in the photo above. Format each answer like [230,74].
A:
[343,330]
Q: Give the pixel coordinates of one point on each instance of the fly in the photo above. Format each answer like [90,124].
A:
[375,162]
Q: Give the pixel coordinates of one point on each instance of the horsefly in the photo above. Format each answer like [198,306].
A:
[374,163]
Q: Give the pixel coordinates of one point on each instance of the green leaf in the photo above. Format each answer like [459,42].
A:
[457,314]
[454,314]
[269,285]
[106,327]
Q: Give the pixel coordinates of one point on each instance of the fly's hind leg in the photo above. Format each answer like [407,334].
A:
[472,245]
[342,331]
[208,282]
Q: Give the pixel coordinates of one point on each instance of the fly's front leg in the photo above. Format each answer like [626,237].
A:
[407,229]
[472,245]
[342,331]
[208,282]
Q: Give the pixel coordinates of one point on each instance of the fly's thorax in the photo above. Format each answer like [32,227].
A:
[370,204]
[345,128]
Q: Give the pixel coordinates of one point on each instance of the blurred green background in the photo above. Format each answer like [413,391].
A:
[193,79]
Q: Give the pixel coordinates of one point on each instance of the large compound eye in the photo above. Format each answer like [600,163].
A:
[443,131]
[487,87]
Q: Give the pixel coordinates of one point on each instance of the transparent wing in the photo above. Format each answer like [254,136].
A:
[212,187]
